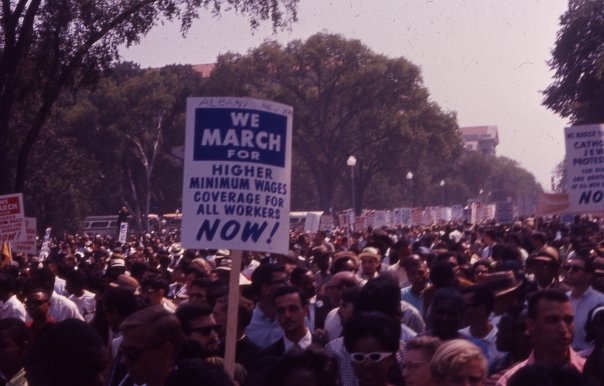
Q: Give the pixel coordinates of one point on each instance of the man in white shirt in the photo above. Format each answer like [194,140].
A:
[579,274]
[85,300]
[291,309]
[61,308]
[11,306]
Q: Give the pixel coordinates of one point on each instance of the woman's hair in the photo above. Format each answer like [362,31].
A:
[383,328]
[426,344]
[453,355]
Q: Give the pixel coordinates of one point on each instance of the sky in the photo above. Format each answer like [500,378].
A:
[486,60]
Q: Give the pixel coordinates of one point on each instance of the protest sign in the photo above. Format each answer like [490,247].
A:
[457,212]
[12,214]
[585,168]
[45,250]
[380,219]
[29,244]
[313,220]
[504,212]
[326,223]
[237,171]
[123,232]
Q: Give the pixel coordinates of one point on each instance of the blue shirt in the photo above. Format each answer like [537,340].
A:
[263,330]
[411,298]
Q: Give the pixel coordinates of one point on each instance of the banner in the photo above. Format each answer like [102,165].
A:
[504,212]
[12,214]
[237,172]
[29,245]
[585,168]
[552,203]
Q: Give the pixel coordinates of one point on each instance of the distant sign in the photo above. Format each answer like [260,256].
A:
[123,235]
[237,171]
[45,250]
[12,218]
[504,212]
[585,168]
[29,245]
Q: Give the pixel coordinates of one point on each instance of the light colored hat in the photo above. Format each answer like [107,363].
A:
[370,252]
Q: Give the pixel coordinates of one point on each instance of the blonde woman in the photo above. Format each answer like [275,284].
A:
[458,362]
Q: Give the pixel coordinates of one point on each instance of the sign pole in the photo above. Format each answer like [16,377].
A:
[232,314]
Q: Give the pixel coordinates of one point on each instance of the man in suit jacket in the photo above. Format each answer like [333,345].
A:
[291,309]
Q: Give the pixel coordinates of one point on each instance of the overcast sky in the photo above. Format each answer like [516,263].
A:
[483,59]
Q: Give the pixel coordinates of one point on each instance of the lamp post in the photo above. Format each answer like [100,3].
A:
[442,188]
[409,178]
[352,162]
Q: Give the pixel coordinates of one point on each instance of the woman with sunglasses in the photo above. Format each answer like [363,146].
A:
[372,340]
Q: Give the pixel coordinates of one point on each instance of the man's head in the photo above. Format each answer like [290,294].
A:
[447,313]
[266,279]
[8,285]
[338,283]
[14,342]
[370,261]
[198,291]
[545,265]
[199,325]
[511,330]
[119,303]
[550,321]
[479,301]
[305,280]
[291,308]
[69,353]
[538,240]
[417,271]
[152,337]
[75,282]
[153,288]
[381,294]
[244,315]
[579,271]
[43,278]
[37,304]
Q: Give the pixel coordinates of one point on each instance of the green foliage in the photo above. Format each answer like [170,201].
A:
[47,47]
[578,61]
[347,100]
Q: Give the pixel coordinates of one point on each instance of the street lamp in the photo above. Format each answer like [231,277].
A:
[442,188]
[409,178]
[352,162]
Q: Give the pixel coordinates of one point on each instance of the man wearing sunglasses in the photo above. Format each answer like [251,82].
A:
[579,272]
[199,326]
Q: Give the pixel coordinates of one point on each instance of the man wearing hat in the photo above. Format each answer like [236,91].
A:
[545,265]
[370,264]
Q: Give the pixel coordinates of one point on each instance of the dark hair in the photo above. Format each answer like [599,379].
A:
[297,274]
[386,329]
[193,372]
[290,289]
[586,259]
[483,296]
[350,295]
[121,300]
[263,274]
[548,294]
[155,281]
[313,359]
[44,278]
[17,330]
[7,283]
[188,312]
[77,278]
[381,294]
[448,293]
[442,274]
[539,236]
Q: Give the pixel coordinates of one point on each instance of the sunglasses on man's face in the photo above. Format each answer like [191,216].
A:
[206,330]
[372,357]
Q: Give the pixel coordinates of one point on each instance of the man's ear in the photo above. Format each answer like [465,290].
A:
[530,326]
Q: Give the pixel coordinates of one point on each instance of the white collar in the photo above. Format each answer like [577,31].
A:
[303,343]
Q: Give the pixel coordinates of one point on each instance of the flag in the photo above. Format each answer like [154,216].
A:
[6,256]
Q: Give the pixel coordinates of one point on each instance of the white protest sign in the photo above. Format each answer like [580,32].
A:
[45,250]
[312,223]
[457,212]
[237,171]
[29,244]
[12,214]
[585,168]
[123,232]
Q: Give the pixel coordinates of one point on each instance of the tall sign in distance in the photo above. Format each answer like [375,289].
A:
[236,188]
[585,168]
[12,218]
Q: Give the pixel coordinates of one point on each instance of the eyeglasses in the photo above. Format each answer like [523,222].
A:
[573,268]
[32,302]
[134,353]
[206,330]
[373,357]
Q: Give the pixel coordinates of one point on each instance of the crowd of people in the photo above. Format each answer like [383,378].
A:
[453,304]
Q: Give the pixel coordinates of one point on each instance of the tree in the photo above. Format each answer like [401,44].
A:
[347,100]
[129,124]
[47,47]
[578,61]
